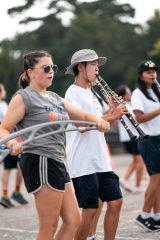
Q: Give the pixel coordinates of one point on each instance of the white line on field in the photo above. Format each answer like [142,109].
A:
[16,230]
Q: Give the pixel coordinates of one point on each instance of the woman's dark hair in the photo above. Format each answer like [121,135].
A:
[30,60]
[121,90]
[142,86]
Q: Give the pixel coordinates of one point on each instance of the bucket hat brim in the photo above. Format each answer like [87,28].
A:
[84,55]
[101,61]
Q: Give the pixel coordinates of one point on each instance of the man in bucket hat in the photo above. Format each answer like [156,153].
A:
[88,157]
[84,55]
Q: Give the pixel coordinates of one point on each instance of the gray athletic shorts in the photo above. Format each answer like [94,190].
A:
[39,170]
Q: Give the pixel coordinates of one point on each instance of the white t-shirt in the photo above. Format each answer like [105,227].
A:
[140,102]
[3,109]
[87,152]
[123,135]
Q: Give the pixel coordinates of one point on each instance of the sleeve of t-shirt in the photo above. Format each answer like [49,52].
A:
[137,100]
[73,97]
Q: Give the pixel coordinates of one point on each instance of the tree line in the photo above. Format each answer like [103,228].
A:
[98,25]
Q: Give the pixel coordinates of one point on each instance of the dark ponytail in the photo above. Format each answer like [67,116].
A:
[24,80]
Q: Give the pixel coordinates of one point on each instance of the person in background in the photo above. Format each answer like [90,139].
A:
[89,164]
[42,163]
[3,103]
[131,146]
[146,106]
[10,162]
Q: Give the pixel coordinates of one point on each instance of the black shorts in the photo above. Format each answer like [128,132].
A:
[39,170]
[90,188]
[11,162]
[132,147]
[150,151]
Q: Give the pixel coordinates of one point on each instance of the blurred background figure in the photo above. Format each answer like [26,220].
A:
[9,163]
[137,164]
[3,104]
[146,106]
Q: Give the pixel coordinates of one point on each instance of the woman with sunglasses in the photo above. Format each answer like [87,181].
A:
[42,164]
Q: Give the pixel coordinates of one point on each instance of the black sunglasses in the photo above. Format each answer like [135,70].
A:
[48,68]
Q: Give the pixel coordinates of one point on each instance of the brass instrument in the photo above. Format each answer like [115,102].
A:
[105,92]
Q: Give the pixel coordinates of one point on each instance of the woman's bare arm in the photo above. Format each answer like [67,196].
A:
[76,113]
[15,113]
[141,117]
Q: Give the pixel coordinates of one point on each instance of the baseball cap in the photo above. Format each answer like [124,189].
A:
[84,55]
[147,65]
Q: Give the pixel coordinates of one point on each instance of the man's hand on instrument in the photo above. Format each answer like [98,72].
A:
[113,104]
[116,113]
[119,111]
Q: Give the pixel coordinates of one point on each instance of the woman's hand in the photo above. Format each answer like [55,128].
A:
[16,148]
[103,126]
